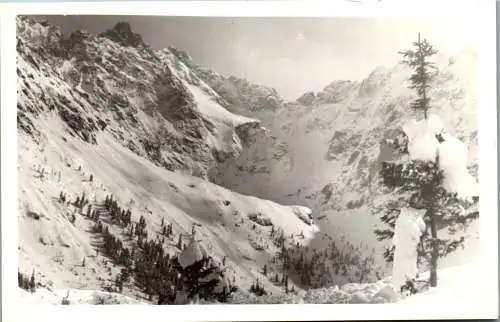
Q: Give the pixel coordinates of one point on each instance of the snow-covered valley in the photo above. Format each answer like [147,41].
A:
[283,195]
[324,152]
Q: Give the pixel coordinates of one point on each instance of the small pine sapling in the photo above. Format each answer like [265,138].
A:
[179,242]
[65,300]
[32,284]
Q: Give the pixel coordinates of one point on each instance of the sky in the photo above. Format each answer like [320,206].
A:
[292,55]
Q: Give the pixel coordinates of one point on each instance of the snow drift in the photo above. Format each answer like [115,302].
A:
[429,141]
[409,228]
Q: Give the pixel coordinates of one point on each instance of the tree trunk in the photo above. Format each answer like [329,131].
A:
[434,251]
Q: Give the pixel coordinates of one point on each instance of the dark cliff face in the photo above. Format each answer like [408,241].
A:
[122,34]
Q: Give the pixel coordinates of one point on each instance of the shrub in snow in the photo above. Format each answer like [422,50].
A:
[99,299]
[257,289]
[25,282]
[203,280]
[65,300]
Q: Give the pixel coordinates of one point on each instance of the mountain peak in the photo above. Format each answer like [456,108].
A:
[307,98]
[182,55]
[123,27]
[123,34]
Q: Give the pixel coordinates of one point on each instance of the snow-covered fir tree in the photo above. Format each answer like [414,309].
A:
[200,277]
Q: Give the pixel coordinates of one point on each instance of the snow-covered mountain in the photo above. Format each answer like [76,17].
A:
[240,95]
[108,115]
[324,149]
[172,141]
[148,99]
[335,134]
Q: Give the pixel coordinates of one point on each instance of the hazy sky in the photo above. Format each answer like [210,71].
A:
[292,55]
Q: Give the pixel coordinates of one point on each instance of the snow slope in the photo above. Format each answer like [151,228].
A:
[462,300]
[460,293]
[461,288]
[149,132]
[143,187]
[74,297]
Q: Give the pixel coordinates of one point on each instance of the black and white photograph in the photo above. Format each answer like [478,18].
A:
[227,160]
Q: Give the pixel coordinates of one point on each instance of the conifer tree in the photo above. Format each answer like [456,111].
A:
[32,283]
[179,242]
[119,283]
[82,201]
[418,184]
[418,60]
[20,280]
[200,278]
